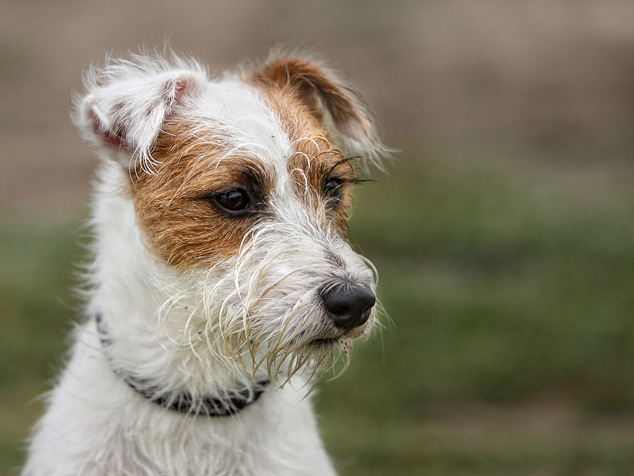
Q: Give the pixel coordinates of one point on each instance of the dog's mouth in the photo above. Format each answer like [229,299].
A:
[331,341]
[324,342]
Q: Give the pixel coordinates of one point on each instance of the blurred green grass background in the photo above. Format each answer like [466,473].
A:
[503,233]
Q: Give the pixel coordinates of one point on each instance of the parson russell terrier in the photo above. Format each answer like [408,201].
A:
[222,283]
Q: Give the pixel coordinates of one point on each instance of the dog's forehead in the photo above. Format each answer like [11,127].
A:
[248,123]
[269,125]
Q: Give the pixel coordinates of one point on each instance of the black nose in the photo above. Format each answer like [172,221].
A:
[348,305]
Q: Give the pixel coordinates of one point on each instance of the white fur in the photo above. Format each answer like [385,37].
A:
[200,331]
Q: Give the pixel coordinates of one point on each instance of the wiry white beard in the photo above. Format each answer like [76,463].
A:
[261,312]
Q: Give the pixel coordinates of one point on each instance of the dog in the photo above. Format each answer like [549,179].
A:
[223,284]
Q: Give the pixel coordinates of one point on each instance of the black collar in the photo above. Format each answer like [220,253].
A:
[184,402]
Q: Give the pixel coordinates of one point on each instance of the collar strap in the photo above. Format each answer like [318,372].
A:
[185,402]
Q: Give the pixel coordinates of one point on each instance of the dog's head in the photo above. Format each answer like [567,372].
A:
[241,187]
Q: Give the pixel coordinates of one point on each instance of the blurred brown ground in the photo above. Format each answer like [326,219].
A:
[545,81]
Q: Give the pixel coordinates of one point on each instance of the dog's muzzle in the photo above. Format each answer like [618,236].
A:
[348,305]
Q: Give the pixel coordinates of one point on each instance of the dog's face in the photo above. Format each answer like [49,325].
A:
[243,186]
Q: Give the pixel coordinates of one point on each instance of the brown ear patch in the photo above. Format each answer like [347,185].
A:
[318,88]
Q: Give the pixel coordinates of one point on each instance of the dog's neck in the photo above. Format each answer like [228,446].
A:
[231,402]
[151,306]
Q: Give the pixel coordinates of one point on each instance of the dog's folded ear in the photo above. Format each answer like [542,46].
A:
[350,120]
[127,103]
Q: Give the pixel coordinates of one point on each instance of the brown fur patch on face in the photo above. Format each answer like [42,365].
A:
[316,162]
[177,206]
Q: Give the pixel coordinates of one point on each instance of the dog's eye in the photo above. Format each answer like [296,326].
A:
[234,201]
[332,193]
